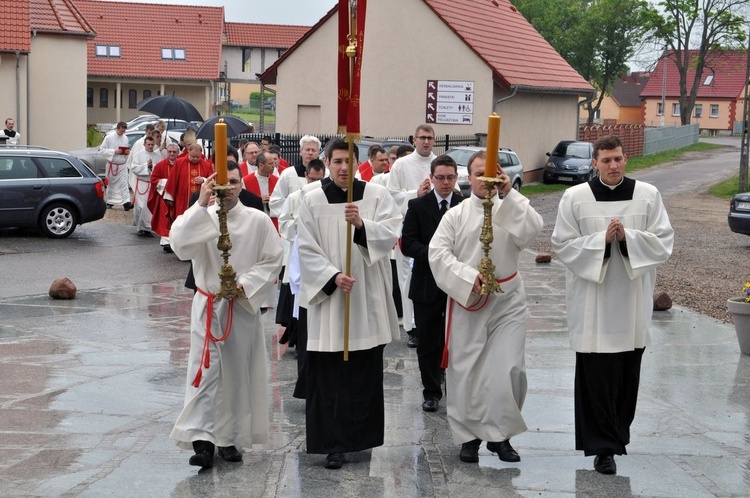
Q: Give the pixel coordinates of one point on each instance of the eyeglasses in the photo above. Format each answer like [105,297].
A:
[235,182]
[425,138]
[442,178]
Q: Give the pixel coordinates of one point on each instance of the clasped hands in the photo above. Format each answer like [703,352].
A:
[615,231]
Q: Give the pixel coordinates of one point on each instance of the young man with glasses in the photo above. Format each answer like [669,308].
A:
[421,221]
[409,178]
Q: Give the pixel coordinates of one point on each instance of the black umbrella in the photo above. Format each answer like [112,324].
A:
[235,126]
[170,107]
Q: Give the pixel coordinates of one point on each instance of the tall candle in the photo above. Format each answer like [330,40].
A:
[493,142]
[220,153]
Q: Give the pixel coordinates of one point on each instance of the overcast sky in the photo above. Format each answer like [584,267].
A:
[301,12]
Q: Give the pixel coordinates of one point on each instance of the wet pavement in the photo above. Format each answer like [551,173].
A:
[90,388]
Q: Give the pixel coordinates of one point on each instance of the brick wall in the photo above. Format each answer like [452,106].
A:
[631,136]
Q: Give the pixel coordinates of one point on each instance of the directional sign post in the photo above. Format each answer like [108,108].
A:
[450,102]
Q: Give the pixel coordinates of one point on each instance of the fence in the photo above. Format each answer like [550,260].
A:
[630,135]
[661,139]
[289,143]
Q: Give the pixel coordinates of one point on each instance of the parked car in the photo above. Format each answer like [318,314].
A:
[270,104]
[98,163]
[739,213]
[364,145]
[137,120]
[233,104]
[570,162]
[51,190]
[506,158]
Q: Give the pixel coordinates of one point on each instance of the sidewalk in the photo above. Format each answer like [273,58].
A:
[90,388]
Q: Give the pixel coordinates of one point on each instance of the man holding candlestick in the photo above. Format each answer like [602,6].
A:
[485,334]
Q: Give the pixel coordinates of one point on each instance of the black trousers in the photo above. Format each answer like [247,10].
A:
[396,290]
[606,393]
[430,322]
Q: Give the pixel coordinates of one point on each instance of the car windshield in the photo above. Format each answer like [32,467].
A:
[574,150]
[460,156]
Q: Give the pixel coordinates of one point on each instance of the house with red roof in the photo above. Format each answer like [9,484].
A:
[148,49]
[249,49]
[720,93]
[623,104]
[446,62]
[43,71]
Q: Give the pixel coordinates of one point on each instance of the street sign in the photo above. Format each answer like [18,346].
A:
[449,102]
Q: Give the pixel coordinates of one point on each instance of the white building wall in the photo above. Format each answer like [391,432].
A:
[13,94]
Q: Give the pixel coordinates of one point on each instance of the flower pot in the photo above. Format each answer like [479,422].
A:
[740,311]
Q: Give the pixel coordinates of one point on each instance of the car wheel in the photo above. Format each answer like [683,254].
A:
[517,185]
[546,180]
[58,221]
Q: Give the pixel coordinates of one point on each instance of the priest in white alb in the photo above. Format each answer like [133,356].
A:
[226,399]
[611,234]
[345,404]
[485,334]
[140,169]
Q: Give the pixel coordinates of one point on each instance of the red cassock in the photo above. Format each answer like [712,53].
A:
[252,185]
[243,169]
[181,183]
[160,222]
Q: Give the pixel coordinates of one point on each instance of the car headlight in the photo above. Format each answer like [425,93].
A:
[583,167]
[462,179]
[550,165]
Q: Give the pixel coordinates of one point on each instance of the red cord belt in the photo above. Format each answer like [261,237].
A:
[478,305]
[205,360]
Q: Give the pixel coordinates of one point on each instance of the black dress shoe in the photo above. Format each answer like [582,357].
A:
[230,453]
[431,405]
[605,464]
[204,454]
[334,461]
[504,450]
[470,451]
[167,248]
[127,206]
[413,341]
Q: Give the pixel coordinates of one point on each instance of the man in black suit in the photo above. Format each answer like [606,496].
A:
[421,221]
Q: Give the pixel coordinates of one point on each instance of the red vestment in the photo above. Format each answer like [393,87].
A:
[160,222]
[365,171]
[243,169]
[252,185]
[282,165]
[181,183]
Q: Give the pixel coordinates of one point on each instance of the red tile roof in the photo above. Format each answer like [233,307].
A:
[15,29]
[504,39]
[141,30]
[499,35]
[263,35]
[59,16]
[728,70]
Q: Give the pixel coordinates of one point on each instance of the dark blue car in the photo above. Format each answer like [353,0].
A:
[739,213]
[570,162]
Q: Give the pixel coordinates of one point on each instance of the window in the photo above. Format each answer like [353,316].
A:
[714,110]
[103,97]
[173,54]
[281,51]
[132,98]
[108,51]
[246,59]
[709,80]
[146,94]
[675,109]
[89,97]
[698,110]
[659,109]
[58,168]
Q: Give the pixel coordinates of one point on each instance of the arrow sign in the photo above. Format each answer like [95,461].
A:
[431,85]
[430,117]
[431,107]
[430,95]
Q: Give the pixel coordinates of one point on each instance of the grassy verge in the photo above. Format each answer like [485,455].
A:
[726,189]
[634,164]
[253,116]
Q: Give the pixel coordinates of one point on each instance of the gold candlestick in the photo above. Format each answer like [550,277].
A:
[228,276]
[486,266]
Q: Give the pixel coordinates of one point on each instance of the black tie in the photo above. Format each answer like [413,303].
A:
[443,207]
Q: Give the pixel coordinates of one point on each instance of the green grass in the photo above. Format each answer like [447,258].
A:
[253,116]
[726,189]
[634,164]
[93,137]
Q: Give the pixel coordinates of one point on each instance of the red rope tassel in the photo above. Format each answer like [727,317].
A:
[206,352]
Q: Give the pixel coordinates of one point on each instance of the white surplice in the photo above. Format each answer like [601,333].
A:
[610,301]
[141,185]
[321,232]
[486,374]
[230,406]
[117,172]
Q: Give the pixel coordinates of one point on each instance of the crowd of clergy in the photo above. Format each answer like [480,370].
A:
[414,246]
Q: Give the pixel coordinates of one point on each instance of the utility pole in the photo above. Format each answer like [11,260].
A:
[745,147]
[664,88]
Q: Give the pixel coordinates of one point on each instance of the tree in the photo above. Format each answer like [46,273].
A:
[596,37]
[694,31]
